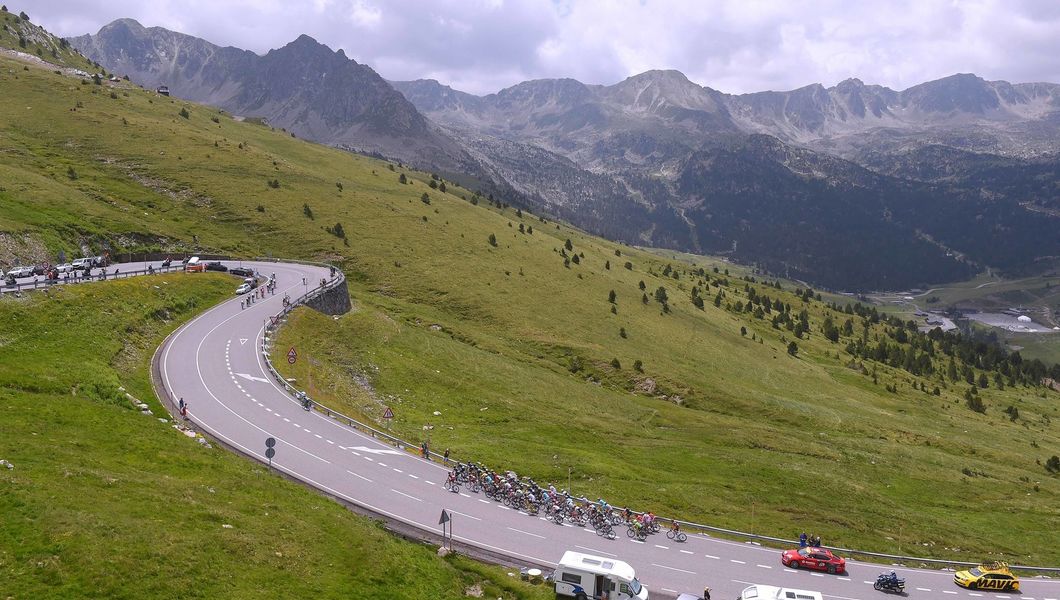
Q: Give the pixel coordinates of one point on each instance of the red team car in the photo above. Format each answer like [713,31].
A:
[817,559]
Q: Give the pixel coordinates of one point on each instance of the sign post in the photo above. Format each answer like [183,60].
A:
[442,520]
[292,356]
[270,450]
[388,416]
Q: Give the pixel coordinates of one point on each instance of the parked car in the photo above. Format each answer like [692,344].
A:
[64,268]
[818,559]
[243,289]
[215,265]
[82,264]
[20,272]
[241,271]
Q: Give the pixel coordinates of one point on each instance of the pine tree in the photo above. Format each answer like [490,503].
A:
[793,349]
[568,245]
[308,212]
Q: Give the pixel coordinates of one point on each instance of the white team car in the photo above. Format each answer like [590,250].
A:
[243,289]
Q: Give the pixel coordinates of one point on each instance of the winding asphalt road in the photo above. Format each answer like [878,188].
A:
[214,363]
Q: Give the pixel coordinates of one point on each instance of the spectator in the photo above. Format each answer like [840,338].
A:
[445,457]
[803,540]
[816,541]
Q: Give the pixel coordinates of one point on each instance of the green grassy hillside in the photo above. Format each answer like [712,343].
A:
[474,310]
[106,502]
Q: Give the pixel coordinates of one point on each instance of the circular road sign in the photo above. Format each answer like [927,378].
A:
[270,452]
[269,443]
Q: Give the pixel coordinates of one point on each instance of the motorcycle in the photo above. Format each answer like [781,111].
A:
[884,583]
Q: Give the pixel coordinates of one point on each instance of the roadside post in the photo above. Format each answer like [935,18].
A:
[270,450]
[388,416]
[442,520]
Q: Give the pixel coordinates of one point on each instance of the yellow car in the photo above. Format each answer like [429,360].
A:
[994,576]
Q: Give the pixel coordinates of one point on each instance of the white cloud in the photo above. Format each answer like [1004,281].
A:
[731,45]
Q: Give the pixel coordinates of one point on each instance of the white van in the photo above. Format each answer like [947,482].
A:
[769,592]
[584,576]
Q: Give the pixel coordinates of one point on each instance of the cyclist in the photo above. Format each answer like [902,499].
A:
[675,528]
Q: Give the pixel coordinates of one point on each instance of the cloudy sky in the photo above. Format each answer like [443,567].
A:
[735,46]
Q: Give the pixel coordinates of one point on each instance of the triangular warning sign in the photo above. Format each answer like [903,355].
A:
[444,518]
[242,341]
[388,414]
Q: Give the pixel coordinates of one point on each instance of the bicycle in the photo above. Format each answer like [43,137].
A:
[452,486]
[677,536]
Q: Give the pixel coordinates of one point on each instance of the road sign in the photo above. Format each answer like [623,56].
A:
[388,414]
[269,453]
[444,518]
[269,443]
[292,356]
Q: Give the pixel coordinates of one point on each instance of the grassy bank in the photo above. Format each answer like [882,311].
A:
[106,502]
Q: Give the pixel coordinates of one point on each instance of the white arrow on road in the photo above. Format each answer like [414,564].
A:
[374,450]
[242,341]
[252,378]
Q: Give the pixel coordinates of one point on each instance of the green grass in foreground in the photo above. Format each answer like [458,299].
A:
[106,502]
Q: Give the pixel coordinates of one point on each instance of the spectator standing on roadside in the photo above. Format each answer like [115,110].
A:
[184,411]
[424,450]
[816,541]
[803,539]
[445,458]
[706,593]
[180,405]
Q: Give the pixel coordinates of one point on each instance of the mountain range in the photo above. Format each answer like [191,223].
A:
[853,187]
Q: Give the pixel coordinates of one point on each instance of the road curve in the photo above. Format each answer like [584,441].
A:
[214,363]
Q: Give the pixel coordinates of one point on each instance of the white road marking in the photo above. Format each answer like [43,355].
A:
[673,569]
[636,541]
[948,592]
[376,450]
[816,574]
[480,499]
[868,582]
[268,409]
[368,459]
[286,419]
[361,476]
[687,552]
[526,532]
[739,562]
[502,506]
[923,589]
[251,378]
[764,566]
[306,430]
[714,557]
[663,547]
[461,493]
[319,437]
[595,551]
[414,476]
[405,495]
[974,594]
[296,424]
[843,578]
[669,590]
[456,512]
[330,442]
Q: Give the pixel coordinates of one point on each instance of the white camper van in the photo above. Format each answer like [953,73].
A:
[769,592]
[585,577]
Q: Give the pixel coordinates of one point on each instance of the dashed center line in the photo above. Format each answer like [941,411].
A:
[526,532]
[663,547]
[739,562]
[406,495]
[673,569]
[687,552]
[764,566]
[361,476]
[714,557]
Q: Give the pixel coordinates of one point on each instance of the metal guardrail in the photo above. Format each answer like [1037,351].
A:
[273,323]
[40,283]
